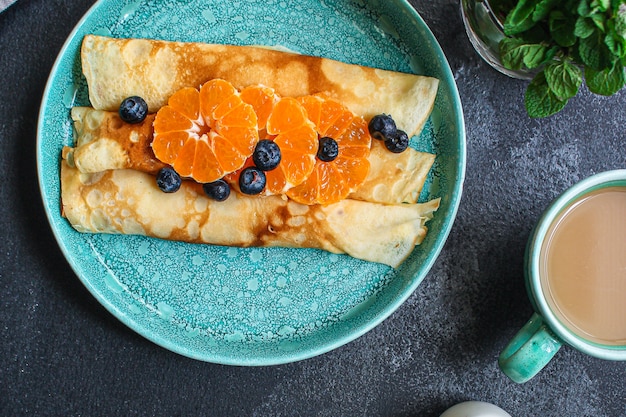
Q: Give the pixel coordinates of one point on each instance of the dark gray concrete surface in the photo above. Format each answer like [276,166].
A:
[63,354]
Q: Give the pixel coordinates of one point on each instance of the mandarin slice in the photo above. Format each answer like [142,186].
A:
[332,181]
[205,134]
[288,126]
[262,99]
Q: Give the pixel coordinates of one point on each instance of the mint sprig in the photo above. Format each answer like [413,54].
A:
[567,42]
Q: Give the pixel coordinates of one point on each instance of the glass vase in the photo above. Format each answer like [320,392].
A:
[485,30]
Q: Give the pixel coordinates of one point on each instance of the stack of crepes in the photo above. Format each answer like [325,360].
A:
[108,177]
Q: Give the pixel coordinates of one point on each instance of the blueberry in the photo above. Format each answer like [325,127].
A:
[252,181]
[133,110]
[397,142]
[381,126]
[328,149]
[168,180]
[266,155]
[217,190]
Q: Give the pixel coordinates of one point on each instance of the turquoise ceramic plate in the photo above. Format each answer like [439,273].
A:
[254,306]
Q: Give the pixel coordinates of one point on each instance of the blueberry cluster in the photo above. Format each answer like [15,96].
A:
[266,157]
[252,179]
[383,127]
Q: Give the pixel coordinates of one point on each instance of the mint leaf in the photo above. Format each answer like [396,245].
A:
[584,27]
[515,54]
[562,28]
[520,18]
[593,52]
[550,54]
[540,100]
[534,55]
[615,43]
[584,8]
[606,82]
[602,5]
[543,8]
[510,53]
[620,21]
[563,78]
[599,19]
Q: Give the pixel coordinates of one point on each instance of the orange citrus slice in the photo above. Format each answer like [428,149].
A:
[283,120]
[205,134]
[332,181]
[262,100]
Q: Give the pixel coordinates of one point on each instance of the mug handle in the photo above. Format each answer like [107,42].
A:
[529,351]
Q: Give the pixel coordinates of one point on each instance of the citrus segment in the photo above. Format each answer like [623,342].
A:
[298,148]
[287,114]
[205,134]
[169,145]
[295,135]
[187,103]
[229,157]
[313,107]
[332,181]
[239,137]
[225,107]
[213,93]
[240,115]
[170,120]
[262,99]
[207,164]
[331,112]
[339,124]
[289,127]
[183,164]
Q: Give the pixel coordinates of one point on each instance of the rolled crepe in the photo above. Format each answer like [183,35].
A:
[117,68]
[128,202]
[103,141]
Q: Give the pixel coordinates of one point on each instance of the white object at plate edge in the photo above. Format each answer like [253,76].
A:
[475,409]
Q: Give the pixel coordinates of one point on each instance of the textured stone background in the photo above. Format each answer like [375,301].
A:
[61,353]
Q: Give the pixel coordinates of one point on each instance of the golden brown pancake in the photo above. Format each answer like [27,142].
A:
[129,202]
[107,178]
[153,69]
